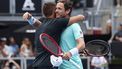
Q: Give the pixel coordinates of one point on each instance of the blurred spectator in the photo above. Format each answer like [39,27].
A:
[2,46]
[26,48]
[120,27]
[6,49]
[117,3]
[11,64]
[99,62]
[117,36]
[109,24]
[14,46]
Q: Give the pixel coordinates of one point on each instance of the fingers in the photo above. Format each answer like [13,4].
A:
[67,55]
[26,16]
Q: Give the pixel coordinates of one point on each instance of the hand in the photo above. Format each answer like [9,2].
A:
[26,16]
[67,55]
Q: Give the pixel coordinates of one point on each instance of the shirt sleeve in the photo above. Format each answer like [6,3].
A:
[63,21]
[77,31]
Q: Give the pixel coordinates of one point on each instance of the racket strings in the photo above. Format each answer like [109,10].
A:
[49,44]
[97,48]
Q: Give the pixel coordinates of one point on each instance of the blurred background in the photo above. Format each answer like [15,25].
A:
[103,21]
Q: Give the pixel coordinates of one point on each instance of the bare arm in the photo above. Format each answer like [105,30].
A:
[27,16]
[22,52]
[15,63]
[4,53]
[75,19]
[80,45]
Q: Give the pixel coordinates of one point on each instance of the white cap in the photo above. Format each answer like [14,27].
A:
[55,61]
[3,39]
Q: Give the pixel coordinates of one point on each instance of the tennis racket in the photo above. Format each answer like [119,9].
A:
[51,46]
[96,48]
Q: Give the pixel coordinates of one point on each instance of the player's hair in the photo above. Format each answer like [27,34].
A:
[48,9]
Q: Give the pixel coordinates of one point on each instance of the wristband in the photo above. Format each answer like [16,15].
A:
[32,20]
[74,51]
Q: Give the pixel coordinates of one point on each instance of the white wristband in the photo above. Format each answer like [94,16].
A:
[32,20]
[74,51]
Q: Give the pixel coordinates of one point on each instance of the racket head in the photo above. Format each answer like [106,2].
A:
[97,48]
[50,44]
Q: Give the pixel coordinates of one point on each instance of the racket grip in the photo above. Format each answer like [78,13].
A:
[78,67]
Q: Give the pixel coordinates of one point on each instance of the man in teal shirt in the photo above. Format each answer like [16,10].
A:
[71,40]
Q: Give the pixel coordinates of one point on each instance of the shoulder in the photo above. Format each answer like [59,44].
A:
[75,25]
[63,22]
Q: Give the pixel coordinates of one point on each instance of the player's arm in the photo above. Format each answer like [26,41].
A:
[31,20]
[80,45]
[75,19]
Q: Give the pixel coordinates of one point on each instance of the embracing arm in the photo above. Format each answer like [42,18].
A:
[75,19]
[32,21]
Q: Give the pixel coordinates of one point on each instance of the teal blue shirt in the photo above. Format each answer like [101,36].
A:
[68,42]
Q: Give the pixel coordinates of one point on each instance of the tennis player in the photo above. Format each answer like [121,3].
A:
[51,26]
[71,39]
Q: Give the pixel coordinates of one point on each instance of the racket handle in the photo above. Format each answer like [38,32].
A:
[78,67]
